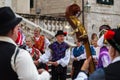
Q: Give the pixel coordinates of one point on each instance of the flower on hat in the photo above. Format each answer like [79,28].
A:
[109,35]
[65,33]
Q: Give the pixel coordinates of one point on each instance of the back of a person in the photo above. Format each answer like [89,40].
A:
[6,52]
[112,72]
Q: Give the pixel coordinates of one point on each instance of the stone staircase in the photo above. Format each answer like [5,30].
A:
[28,27]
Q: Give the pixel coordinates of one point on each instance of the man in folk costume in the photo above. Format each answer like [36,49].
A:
[16,63]
[41,42]
[59,56]
[103,58]
[78,55]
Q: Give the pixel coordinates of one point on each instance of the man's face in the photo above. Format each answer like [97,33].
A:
[78,43]
[112,52]
[60,38]
[36,33]
[15,32]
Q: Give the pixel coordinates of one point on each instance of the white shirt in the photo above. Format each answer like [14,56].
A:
[105,61]
[82,56]
[24,66]
[63,61]
[97,49]
[47,42]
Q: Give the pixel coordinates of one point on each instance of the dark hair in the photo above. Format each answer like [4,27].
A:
[106,27]
[93,36]
[6,32]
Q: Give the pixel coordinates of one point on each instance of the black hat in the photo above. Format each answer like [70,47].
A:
[106,27]
[113,38]
[103,29]
[60,32]
[8,20]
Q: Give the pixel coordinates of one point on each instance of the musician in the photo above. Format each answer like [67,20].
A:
[58,56]
[94,40]
[111,72]
[78,55]
[41,42]
[103,58]
[35,53]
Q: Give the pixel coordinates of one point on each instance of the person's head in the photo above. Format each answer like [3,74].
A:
[103,29]
[60,35]
[78,43]
[93,36]
[113,38]
[29,41]
[37,31]
[9,23]
[94,42]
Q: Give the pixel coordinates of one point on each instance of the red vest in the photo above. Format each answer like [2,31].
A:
[39,44]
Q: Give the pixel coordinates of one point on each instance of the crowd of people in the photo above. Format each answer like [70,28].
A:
[27,57]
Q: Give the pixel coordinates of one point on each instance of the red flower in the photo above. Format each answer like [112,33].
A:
[109,35]
[65,33]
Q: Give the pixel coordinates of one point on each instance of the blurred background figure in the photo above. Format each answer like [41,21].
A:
[104,58]
[78,55]
[35,53]
[94,40]
[41,43]
[21,38]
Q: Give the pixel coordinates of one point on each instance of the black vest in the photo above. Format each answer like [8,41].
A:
[112,72]
[6,52]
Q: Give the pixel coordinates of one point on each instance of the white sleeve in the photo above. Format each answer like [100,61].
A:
[72,56]
[105,61]
[24,66]
[82,56]
[47,43]
[81,76]
[64,61]
[45,57]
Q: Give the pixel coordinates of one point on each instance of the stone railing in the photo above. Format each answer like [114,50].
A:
[29,26]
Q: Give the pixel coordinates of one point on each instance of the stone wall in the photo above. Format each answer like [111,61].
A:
[102,14]
[19,6]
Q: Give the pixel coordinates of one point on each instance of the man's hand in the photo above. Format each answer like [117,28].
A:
[86,64]
[55,64]
[75,59]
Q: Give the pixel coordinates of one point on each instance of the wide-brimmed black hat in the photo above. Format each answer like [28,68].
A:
[8,20]
[60,32]
[113,38]
[106,27]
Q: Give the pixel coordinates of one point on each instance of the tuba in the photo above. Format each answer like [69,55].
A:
[72,13]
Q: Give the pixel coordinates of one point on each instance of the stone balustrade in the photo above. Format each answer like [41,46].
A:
[28,28]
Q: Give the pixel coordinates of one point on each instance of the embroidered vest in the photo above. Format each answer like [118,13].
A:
[58,50]
[112,72]
[6,52]
[103,52]
[40,43]
[78,51]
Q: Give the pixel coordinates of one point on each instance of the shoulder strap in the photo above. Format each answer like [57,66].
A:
[16,53]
